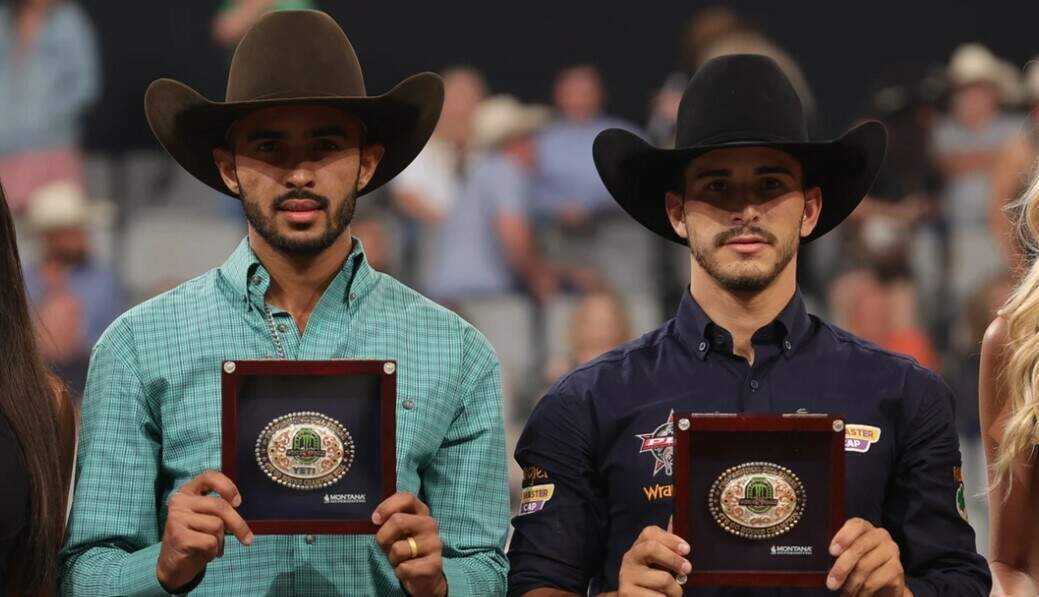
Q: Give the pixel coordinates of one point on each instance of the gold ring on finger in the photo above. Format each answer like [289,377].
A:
[413,545]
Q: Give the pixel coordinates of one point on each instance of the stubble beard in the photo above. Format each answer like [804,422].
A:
[749,280]
[265,226]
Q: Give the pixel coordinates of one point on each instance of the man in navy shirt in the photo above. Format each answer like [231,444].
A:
[743,190]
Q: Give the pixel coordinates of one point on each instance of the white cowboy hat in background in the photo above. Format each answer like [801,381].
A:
[64,204]
[973,63]
[502,117]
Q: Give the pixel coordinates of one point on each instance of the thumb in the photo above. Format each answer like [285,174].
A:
[670,525]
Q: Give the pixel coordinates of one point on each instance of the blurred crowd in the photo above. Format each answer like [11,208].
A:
[504,218]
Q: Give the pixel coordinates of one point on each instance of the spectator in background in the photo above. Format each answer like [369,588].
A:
[599,323]
[235,17]
[74,297]
[717,31]
[962,376]
[1012,171]
[581,228]
[48,77]
[880,306]
[569,189]
[487,245]
[967,143]
[429,186]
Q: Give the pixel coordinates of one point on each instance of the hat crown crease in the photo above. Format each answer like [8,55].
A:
[274,61]
[759,103]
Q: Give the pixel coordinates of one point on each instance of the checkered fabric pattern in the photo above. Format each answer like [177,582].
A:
[151,422]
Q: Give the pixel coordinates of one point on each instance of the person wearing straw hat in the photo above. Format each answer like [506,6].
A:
[487,246]
[1010,172]
[298,141]
[967,145]
[743,189]
[74,295]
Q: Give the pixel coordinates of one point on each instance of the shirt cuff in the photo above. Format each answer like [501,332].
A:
[457,578]
[138,577]
[920,588]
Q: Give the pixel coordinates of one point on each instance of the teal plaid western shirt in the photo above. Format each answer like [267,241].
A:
[151,422]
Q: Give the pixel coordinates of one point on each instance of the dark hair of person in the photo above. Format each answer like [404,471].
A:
[42,419]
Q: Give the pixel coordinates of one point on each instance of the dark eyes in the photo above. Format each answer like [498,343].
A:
[319,145]
[765,184]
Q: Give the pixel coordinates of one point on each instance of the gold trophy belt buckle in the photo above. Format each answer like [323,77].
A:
[757,500]
[305,450]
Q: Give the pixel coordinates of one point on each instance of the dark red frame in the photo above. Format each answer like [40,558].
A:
[764,424]
[387,421]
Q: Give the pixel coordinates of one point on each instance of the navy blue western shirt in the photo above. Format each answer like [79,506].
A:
[597,451]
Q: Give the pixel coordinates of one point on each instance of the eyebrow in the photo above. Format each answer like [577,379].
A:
[270,134]
[725,173]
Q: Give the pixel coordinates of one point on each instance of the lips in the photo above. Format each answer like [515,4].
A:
[747,244]
[298,205]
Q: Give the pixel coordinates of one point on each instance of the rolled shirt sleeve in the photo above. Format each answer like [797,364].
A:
[465,484]
[114,530]
[921,512]
[559,530]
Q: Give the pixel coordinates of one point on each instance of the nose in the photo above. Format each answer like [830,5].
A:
[300,175]
[745,209]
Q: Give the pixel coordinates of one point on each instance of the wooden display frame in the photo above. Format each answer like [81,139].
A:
[235,375]
[767,428]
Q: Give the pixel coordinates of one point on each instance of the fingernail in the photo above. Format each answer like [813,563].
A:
[237,501]
[683,548]
[249,539]
[832,584]
[686,567]
[376,518]
[835,549]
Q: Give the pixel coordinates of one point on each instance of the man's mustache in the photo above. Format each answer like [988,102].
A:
[301,194]
[724,237]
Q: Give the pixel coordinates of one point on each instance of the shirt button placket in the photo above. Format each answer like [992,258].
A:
[754,385]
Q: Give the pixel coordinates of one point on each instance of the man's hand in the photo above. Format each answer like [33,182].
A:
[867,562]
[650,566]
[195,528]
[409,538]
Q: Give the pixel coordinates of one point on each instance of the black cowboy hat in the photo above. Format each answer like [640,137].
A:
[294,57]
[740,100]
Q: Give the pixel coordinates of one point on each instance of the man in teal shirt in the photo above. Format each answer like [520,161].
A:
[298,140]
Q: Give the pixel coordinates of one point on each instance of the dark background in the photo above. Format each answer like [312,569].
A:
[845,48]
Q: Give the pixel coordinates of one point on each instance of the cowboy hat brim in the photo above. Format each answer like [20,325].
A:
[638,175]
[190,127]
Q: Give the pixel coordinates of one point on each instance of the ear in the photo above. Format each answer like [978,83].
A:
[371,155]
[225,164]
[676,213]
[813,208]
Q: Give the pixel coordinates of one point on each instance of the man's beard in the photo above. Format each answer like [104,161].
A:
[267,228]
[744,282]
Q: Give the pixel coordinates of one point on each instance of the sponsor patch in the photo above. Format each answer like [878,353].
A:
[859,438]
[345,498]
[533,474]
[658,492]
[791,550]
[535,497]
[660,443]
[961,493]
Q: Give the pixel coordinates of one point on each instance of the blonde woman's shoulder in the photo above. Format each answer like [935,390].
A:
[993,359]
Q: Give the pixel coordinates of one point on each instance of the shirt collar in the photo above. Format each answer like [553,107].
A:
[789,328]
[249,280]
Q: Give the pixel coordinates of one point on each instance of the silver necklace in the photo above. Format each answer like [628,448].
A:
[274,332]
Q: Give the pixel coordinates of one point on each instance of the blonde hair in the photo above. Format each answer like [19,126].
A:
[1020,377]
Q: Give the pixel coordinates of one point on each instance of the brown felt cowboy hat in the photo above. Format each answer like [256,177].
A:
[294,57]
[741,100]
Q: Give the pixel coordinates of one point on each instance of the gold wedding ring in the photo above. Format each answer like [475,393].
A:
[414,547]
